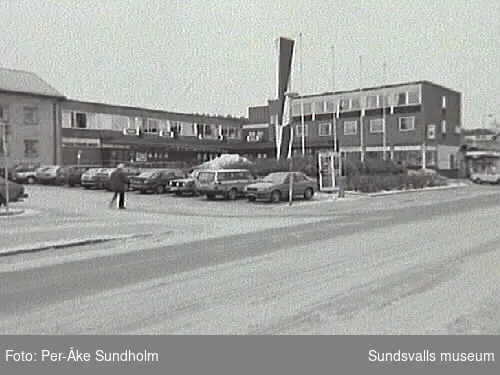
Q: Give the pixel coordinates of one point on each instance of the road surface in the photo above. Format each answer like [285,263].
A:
[415,268]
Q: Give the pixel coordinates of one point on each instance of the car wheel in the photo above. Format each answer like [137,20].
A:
[210,197]
[178,193]
[252,199]
[276,196]
[160,189]
[232,194]
[308,194]
[31,180]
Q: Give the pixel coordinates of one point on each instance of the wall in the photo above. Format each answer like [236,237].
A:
[43,131]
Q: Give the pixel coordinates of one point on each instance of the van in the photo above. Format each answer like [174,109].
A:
[227,183]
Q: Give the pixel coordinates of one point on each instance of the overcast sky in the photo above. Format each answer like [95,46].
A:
[219,56]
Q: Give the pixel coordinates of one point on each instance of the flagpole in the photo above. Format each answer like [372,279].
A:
[384,117]
[361,125]
[334,121]
[302,118]
[277,126]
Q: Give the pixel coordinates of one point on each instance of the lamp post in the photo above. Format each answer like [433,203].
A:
[290,96]
[3,125]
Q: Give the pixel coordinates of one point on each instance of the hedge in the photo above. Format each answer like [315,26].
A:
[370,176]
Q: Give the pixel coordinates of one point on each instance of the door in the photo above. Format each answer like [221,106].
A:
[326,163]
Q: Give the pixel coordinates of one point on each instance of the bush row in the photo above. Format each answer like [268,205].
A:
[374,183]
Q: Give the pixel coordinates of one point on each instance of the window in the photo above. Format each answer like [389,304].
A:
[30,115]
[330,106]
[307,108]
[406,124]
[151,125]
[3,112]
[413,97]
[319,107]
[344,104]
[350,127]
[377,125]
[443,126]
[298,130]
[30,148]
[457,129]
[443,102]
[355,103]
[273,120]
[372,101]
[384,100]
[296,109]
[452,162]
[431,131]
[325,129]
[400,98]
[80,120]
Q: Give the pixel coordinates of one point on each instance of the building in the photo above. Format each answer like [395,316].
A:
[423,122]
[480,150]
[30,108]
[97,133]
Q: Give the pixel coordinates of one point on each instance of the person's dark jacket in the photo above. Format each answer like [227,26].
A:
[119,181]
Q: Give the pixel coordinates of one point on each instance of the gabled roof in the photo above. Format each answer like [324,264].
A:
[22,82]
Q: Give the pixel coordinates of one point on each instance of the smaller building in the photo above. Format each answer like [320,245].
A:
[105,134]
[29,107]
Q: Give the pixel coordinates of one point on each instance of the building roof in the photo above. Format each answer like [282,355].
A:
[379,88]
[22,82]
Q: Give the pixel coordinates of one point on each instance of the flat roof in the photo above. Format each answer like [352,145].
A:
[395,85]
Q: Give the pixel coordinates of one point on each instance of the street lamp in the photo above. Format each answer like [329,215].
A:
[290,96]
[3,125]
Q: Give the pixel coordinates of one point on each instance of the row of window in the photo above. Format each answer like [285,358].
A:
[357,102]
[30,114]
[30,148]
[350,127]
[100,121]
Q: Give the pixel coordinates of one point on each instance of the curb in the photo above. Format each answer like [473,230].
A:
[11,212]
[397,192]
[57,245]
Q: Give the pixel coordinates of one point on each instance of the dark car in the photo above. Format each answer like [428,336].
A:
[47,175]
[155,180]
[16,192]
[71,175]
[188,185]
[275,187]
[104,176]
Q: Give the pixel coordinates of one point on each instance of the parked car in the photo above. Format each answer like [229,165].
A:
[188,185]
[104,176]
[16,192]
[486,177]
[155,180]
[47,175]
[228,183]
[275,187]
[25,174]
[71,175]
[88,179]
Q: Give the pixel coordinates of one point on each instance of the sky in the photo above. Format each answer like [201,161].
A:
[219,56]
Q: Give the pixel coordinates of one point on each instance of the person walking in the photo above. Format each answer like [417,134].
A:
[119,184]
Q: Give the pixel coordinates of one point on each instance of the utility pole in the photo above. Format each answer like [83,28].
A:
[361,116]
[302,118]
[6,167]
[384,117]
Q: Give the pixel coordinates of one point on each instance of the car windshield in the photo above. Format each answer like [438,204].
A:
[206,176]
[149,174]
[93,171]
[275,178]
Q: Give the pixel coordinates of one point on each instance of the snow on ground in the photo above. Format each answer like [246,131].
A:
[404,279]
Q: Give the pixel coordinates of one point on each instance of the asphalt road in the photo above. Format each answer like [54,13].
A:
[431,268]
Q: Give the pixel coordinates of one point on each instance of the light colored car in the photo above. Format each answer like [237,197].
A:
[25,175]
[188,185]
[275,187]
[16,192]
[486,177]
[89,178]
[227,183]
